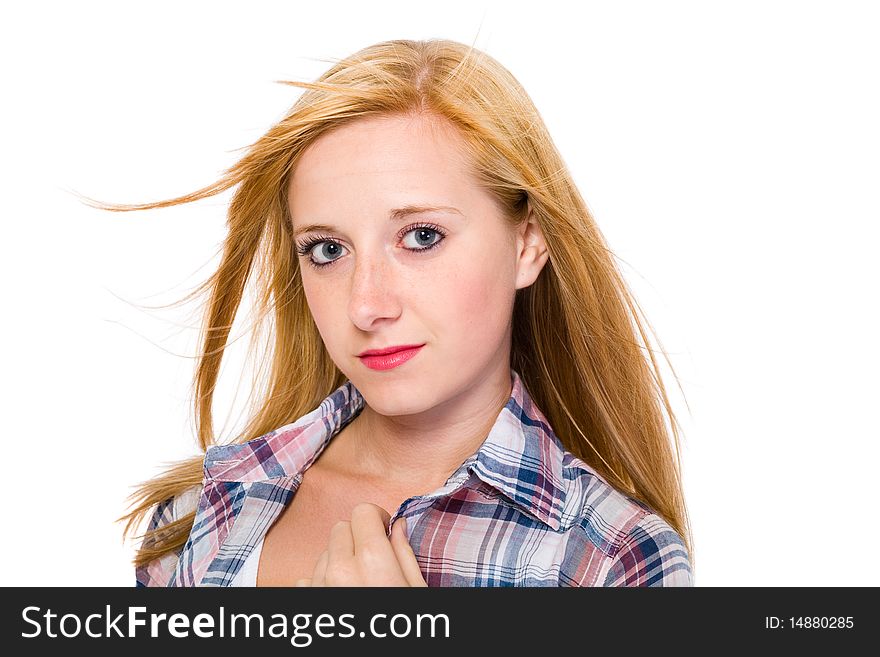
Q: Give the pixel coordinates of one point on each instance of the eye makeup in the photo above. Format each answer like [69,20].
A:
[308,245]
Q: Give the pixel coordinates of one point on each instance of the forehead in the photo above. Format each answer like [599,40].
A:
[383,160]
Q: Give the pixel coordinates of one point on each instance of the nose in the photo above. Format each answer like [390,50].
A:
[373,295]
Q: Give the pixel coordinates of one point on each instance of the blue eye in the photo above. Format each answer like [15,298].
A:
[425,238]
[323,251]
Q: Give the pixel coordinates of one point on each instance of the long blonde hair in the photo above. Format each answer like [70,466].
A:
[579,342]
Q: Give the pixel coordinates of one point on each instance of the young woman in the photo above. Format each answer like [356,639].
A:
[458,391]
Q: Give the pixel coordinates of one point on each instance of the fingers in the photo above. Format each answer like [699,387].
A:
[405,555]
[382,562]
[368,523]
[320,569]
[341,541]
[341,566]
[360,553]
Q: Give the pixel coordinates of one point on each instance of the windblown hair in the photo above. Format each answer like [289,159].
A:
[579,342]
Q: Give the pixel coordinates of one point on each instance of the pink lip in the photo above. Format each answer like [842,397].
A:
[390,357]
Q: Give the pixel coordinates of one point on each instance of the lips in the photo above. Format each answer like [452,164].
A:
[389,350]
[389,357]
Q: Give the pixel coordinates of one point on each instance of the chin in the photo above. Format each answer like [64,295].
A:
[383,405]
[391,397]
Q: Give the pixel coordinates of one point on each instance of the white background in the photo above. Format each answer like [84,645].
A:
[729,152]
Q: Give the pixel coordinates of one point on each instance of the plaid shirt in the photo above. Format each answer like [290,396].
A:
[521,511]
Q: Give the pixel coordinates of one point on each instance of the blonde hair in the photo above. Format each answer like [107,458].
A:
[578,341]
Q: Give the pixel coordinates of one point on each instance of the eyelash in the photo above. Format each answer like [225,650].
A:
[305,248]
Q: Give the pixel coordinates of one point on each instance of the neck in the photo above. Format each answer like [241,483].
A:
[421,451]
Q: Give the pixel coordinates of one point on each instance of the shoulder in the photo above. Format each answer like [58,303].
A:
[159,571]
[615,540]
[186,502]
[175,508]
[651,554]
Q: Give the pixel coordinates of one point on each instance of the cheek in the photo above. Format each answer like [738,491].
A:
[475,302]
[322,305]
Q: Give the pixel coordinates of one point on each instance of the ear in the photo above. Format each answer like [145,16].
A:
[531,251]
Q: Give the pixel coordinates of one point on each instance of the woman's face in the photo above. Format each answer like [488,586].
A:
[399,246]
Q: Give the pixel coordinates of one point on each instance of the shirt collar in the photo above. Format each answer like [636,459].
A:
[521,456]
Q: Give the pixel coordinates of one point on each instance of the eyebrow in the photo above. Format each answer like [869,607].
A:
[397,214]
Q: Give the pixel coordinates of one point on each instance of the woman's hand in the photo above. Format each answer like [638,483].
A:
[360,553]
